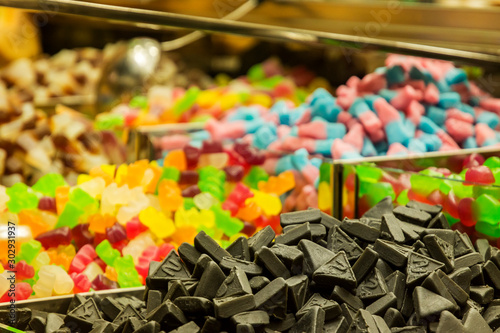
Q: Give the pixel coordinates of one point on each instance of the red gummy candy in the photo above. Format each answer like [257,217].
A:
[48,204]
[234,173]
[103,283]
[165,249]
[56,237]
[465,212]
[192,156]
[116,233]
[24,271]
[82,235]
[134,227]
[479,174]
[81,281]
[191,191]
[188,177]
[473,160]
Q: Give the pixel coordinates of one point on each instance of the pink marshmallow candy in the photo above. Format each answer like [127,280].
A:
[459,130]
[431,94]
[313,130]
[386,112]
[339,147]
[355,137]
[483,133]
[414,112]
[396,148]
[491,104]
[454,113]
[292,144]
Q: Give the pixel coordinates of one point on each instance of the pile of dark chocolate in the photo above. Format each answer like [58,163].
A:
[393,270]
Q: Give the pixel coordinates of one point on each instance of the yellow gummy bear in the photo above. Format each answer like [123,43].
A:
[270,204]
[157,222]
[83,179]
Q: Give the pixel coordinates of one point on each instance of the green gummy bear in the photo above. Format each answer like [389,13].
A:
[489,229]
[21,197]
[403,199]
[106,252]
[189,203]
[69,216]
[128,276]
[270,83]
[492,162]
[487,208]
[223,220]
[424,185]
[29,251]
[48,184]
[81,198]
[106,121]
[256,73]
[254,176]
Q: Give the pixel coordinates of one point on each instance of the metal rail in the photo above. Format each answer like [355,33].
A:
[161,19]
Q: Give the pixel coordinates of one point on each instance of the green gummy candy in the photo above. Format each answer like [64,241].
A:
[376,191]
[492,230]
[29,250]
[21,197]
[256,73]
[81,198]
[493,191]
[69,216]
[229,225]
[488,208]
[140,102]
[128,276]
[106,252]
[106,121]
[271,82]
[492,162]
[189,203]
[254,176]
[368,173]
[451,220]
[325,171]
[403,199]
[186,102]
[47,184]
[424,185]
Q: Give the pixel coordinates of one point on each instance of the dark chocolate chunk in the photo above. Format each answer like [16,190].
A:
[409,329]
[429,304]
[311,322]
[293,234]
[111,308]
[154,300]
[394,318]
[153,266]
[449,323]
[365,263]
[468,260]
[363,322]
[254,318]
[384,268]
[189,255]
[210,281]
[420,267]
[38,324]
[76,301]
[318,232]
[235,284]
[271,262]
[360,230]
[314,256]
[492,273]
[201,265]
[239,249]
[462,277]
[391,229]
[297,289]
[167,314]
[329,221]
[250,268]
[463,244]
[262,238]
[384,206]
[175,289]
[77,324]
[372,287]
[282,325]
[477,275]
[380,306]
[244,328]
[482,294]
[273,298]
[205,244]
[341,295]
[407,308]
[339,325]
[87,311]
[348,313]
[338,240]
[211,325]
[103,327]
[126,313]
[436,285]
[299,217]
[454,289]
[492,315]
[391,252]
[381,325]
[292,257]
[171,268]
[474,322]
[412,232]
[131,325]
[150,327]
[258,282]
[396,283]
[195,306]
[332,309]
[336,271]
[439,222]
[413,216]
[190,327]
[433,210]
[483,247]
[441,251]
[230,306]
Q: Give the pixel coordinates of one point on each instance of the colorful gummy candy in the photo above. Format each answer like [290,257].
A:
[470,199]
[264,84]
[103,232]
